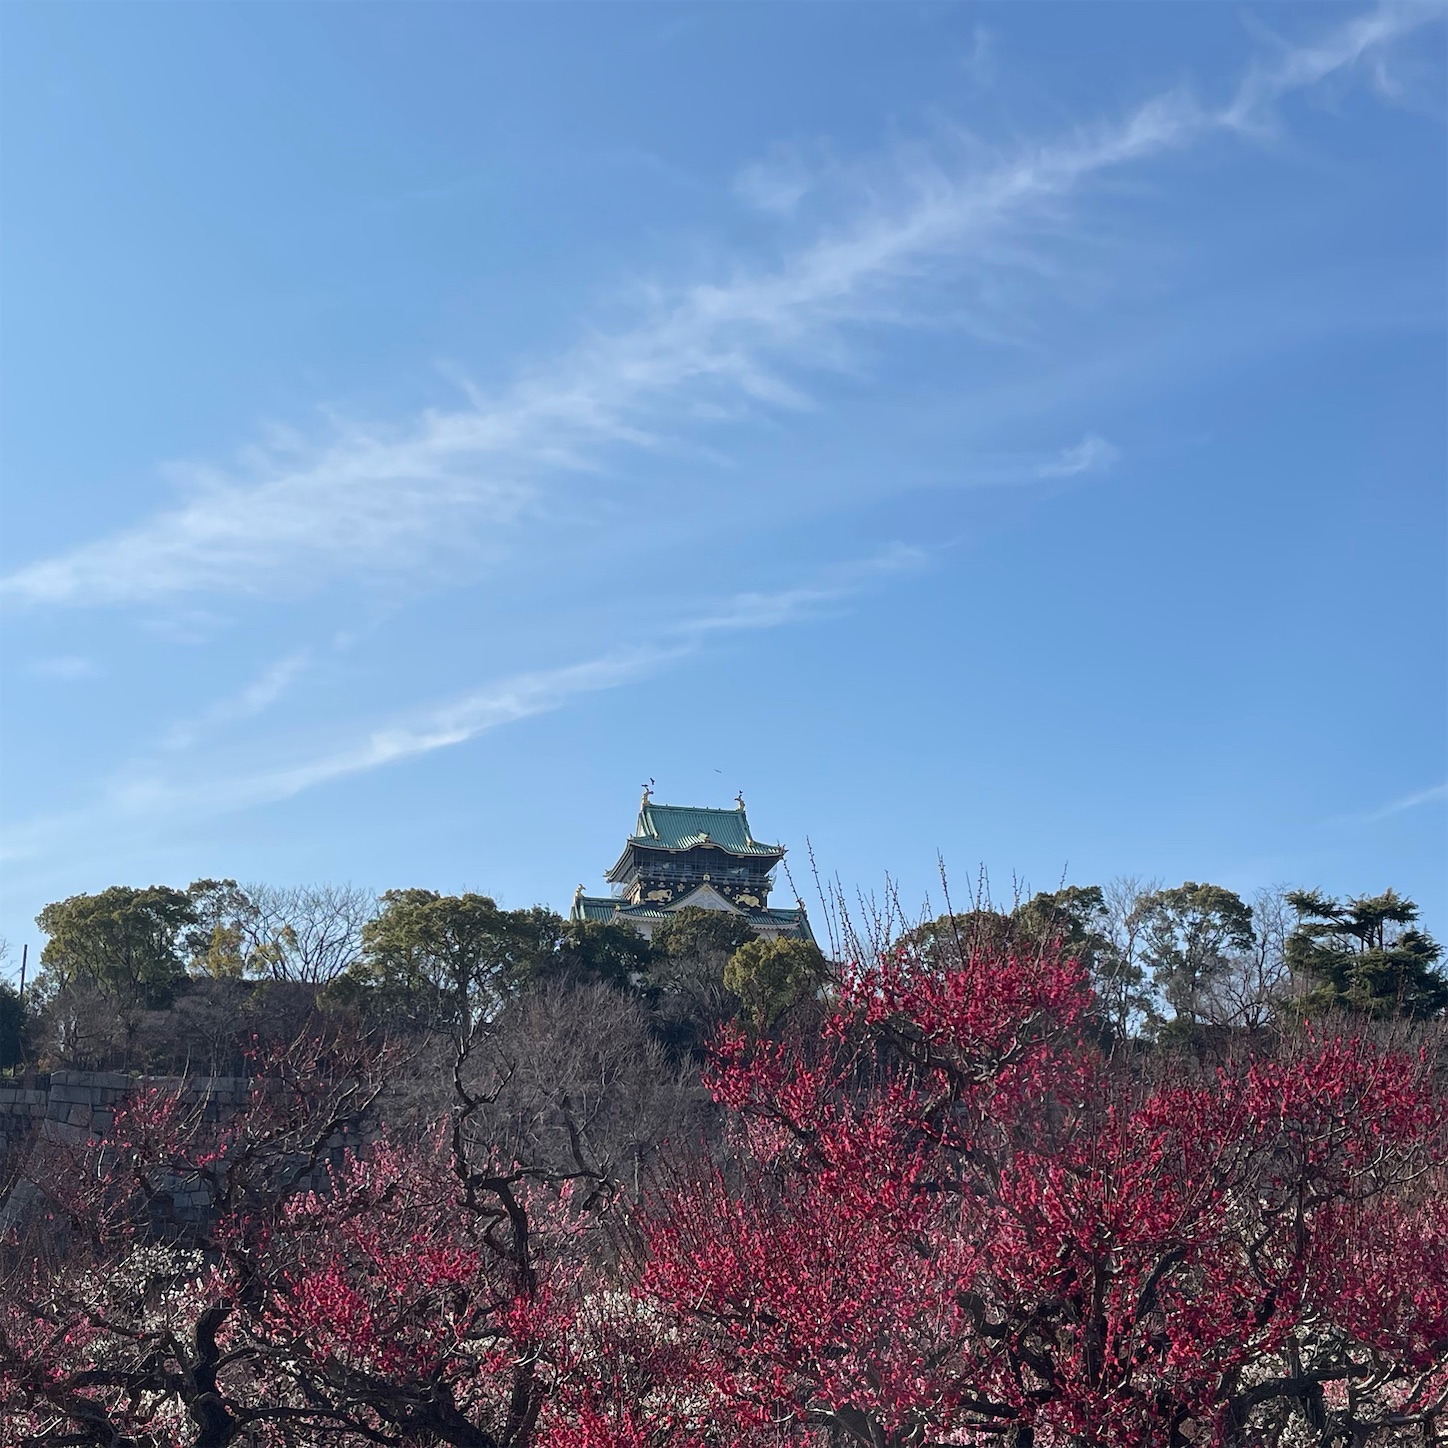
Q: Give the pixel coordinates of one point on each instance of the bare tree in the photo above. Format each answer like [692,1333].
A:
[309,934]
[83,1028]
[1250,993]
[1121,975]
[575,1083]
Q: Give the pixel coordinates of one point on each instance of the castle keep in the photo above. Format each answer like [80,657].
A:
[707,859]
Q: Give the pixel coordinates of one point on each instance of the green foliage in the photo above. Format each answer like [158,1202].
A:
[1100,927]
[1073,918]
[444,960]
[599,950]
[437,962]
[217,943]
[771,976]
[1080,919]
[539,934]
[693,934]
[1364,955]
[12,1027]
[125,941]
[946,941]
[1191,934]
[685,984]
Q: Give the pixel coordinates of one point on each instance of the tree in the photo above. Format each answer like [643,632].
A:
[573,1080]
[686,975]
[1253,990]
[1100,928]
[220,942]
[946,1216]
[443,961]
[1365,955]
[772,976]
[124,941]
[1191,934]
[1121,981]
[692,934]
[12,1026]
[954,1219]
[307,934]
[1071,920]
[942,943]
[271,1281]
[599,950]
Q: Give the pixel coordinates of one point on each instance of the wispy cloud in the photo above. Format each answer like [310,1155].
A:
[1364,38]
[66,668]
[980,64]
[147,794]
[1091,455]
[776,183]
[793,605]
[369,499]
[1432,795]
[458,720]
[417,732]
[259,695]
[154,789]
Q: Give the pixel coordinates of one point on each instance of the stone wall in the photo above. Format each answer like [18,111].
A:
[74,1107]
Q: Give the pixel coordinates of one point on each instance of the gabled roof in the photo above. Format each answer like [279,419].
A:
[706,897]
[610,910]
[681,827]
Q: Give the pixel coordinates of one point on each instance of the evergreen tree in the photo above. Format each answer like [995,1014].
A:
[599,950]
[12,1026]
[770,976]
[1079,921]
[1192,933]
[692,933]
[1365,954]
[125,941]
[217,943]
[441,960]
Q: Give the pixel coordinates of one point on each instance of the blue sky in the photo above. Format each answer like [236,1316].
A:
[1010,432]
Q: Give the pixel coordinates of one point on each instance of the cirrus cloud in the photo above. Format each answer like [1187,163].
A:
[368,499]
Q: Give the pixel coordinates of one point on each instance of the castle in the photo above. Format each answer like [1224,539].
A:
[681,857]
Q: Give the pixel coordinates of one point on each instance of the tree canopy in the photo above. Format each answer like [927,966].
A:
[1365,954]
[443,960]
[126,941]
[159,975]
[771,976]
[1191,932]
[12,1025]
[692,933]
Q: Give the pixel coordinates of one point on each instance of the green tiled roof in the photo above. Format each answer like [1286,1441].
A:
[678,827]
[608,909]
[594,907]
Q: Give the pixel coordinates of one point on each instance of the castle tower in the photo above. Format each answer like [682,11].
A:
[681,856]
